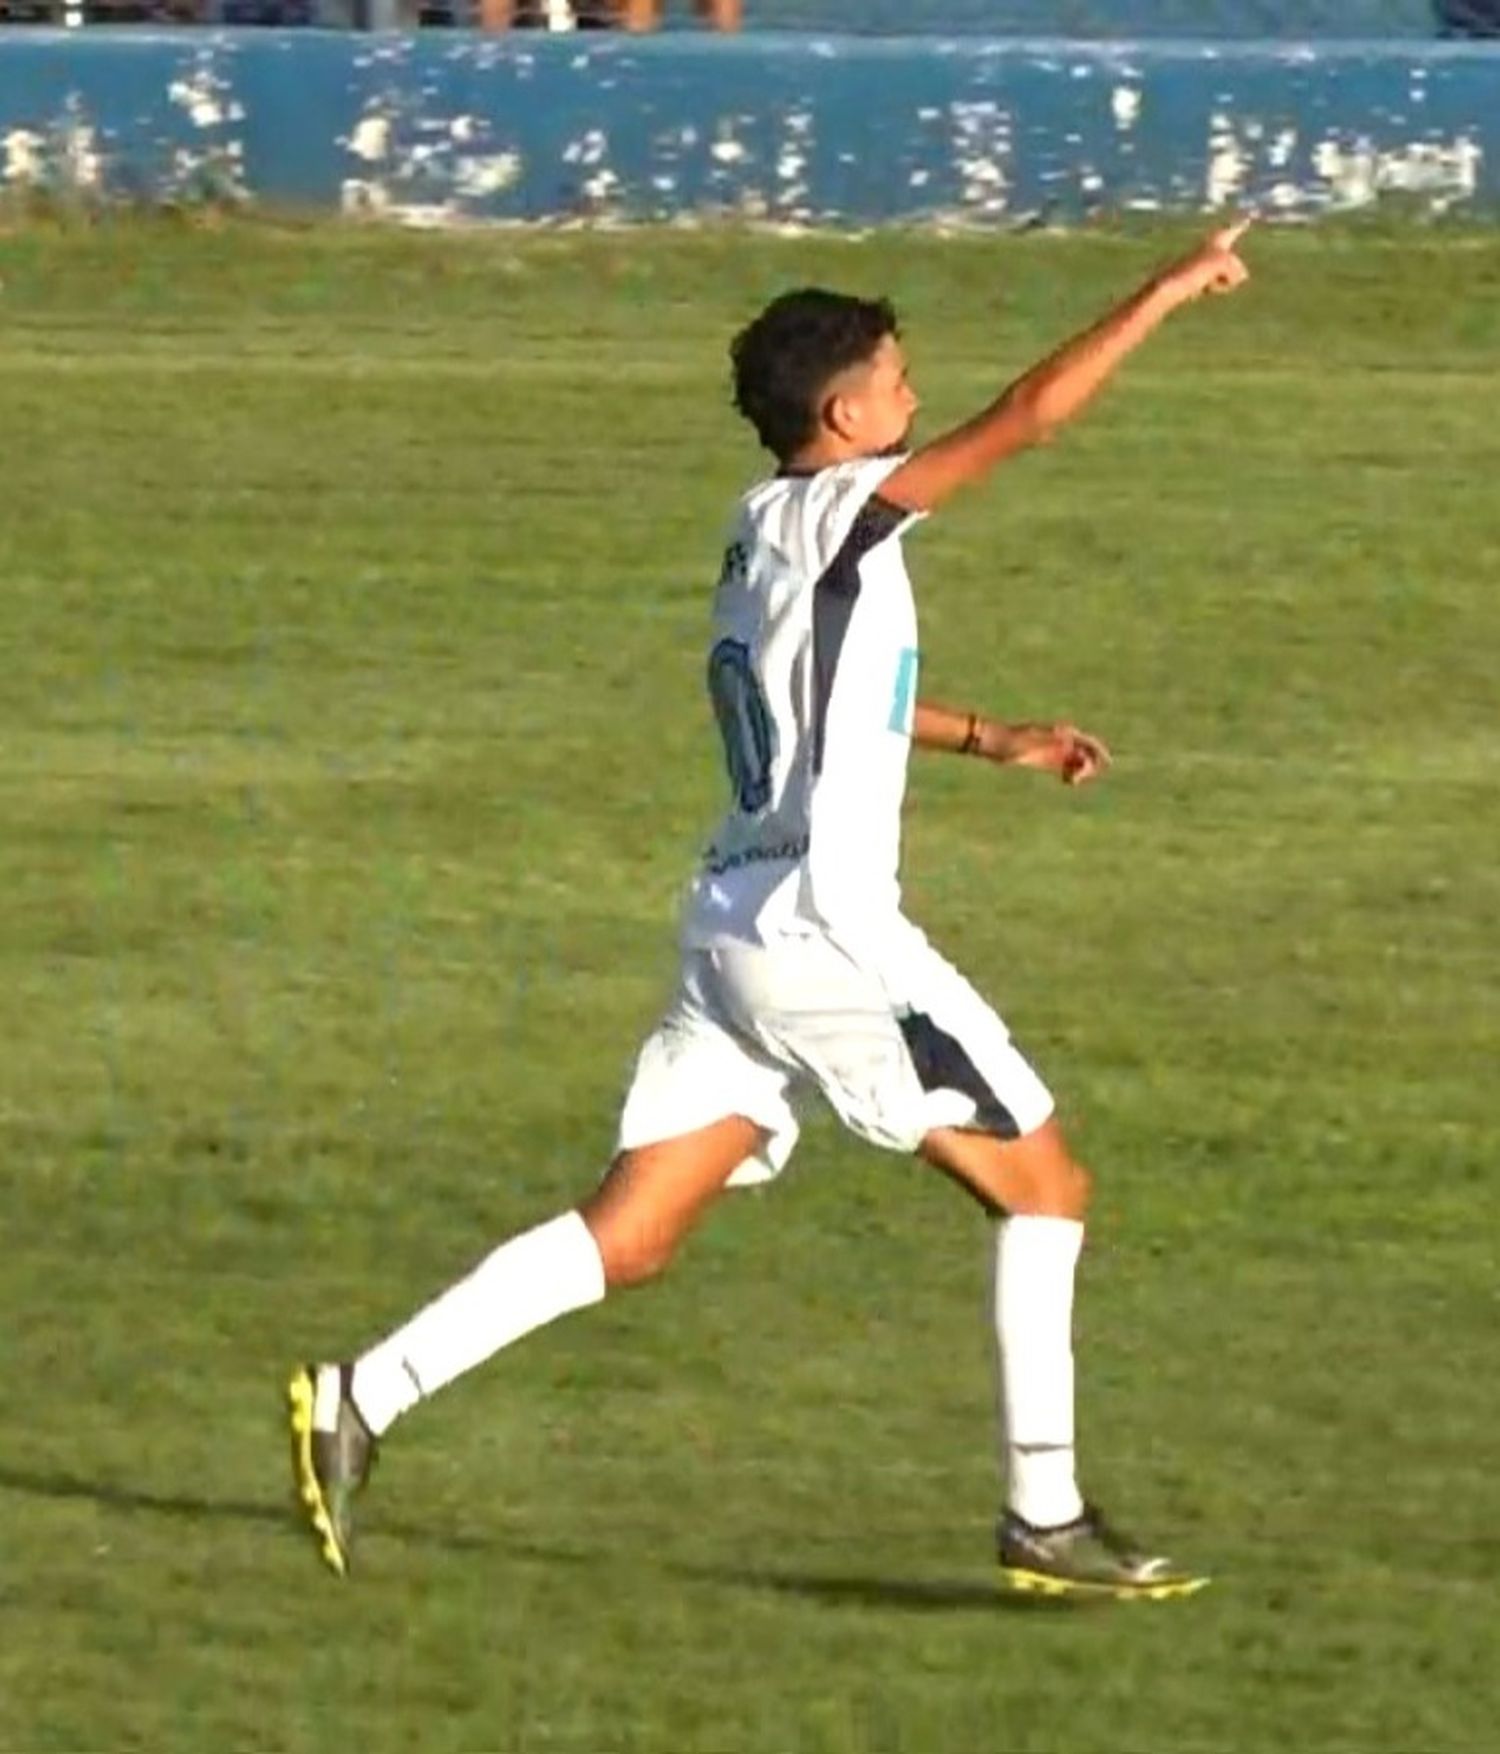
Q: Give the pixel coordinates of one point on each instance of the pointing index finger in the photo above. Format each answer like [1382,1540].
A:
[1231,234]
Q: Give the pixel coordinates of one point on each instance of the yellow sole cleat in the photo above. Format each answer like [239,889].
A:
[300,1392]
[1036,1583]
[1086,1560]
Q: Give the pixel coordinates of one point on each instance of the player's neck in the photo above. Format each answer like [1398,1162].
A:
[822,453]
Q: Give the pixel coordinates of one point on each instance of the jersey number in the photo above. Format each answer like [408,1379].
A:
[744,723]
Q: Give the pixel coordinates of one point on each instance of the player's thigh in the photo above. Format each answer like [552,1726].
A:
[810,1007]
[813,1005]
[704,1110]
[696,1068]
[653,1194]
[900,1053]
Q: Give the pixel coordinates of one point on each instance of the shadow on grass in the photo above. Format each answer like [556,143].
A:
[272,1512]
[907,1594]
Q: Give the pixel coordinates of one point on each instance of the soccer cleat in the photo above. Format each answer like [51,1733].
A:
[1086,1558]
[332,1451]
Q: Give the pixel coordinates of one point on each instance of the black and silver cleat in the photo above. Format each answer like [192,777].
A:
[1087,1559]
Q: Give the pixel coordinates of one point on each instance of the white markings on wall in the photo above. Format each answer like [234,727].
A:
[732,163]
[207,97]
[726,149]
[25,156]
[588,149]
[82,161]
[1228,164]
[63,157]
[598,183]
[371,139]
[981,146]
[475,178]
[423,169]
[1349,171]
[792,159]
[1338,173]
[598,187]
[214,165]
[1057,128]
[1356,173]
[1125,107]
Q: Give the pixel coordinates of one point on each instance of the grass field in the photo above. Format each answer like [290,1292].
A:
[352,751]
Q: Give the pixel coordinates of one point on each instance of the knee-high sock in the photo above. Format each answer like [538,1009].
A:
[1035,1261]
[524,1284]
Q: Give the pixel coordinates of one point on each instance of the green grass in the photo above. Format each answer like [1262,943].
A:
[352,597]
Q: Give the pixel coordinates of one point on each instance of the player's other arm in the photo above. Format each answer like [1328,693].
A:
[1074,756]
[1063,384]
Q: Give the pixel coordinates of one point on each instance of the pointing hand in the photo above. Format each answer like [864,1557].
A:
[1214,267]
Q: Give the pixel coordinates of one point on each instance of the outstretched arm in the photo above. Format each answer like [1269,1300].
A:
[1064,383]
[1073,755]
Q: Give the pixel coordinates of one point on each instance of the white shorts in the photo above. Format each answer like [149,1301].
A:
[753,1029]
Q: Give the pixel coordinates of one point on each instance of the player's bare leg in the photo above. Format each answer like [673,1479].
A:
[623,1234]
[653,1196]
[1049,1540]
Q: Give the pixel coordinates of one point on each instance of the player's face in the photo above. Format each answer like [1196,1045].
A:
[875,405]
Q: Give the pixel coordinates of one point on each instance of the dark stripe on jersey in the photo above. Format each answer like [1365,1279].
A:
[942,1064]
[834,597]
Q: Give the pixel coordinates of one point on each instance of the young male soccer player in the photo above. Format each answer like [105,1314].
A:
[798,968]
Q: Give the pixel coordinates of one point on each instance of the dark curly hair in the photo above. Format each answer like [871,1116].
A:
[785,358]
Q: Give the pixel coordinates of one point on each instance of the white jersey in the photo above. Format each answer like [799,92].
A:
[813,679]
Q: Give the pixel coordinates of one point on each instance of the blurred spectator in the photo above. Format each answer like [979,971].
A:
[1469,18]
[601,14]
[646,14]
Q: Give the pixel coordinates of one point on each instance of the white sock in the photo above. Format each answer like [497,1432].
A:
[1035,1259]
[525,1283]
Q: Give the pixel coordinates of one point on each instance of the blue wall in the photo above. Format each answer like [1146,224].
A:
[1113,19]
[1110,20]
[449,126]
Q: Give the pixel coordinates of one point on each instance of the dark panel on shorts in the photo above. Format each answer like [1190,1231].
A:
[834,597]
[942,1064]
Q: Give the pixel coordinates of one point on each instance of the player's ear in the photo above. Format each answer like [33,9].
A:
[840,416]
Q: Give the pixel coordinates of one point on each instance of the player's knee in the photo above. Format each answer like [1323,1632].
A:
[1060,1188]
[633,1257]
[1077,1190]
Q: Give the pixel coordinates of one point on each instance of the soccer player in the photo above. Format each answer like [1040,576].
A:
[799,971]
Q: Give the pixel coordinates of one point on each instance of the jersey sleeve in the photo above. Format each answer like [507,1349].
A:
[843,515]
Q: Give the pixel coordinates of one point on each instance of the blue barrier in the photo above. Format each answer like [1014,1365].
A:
[454,127]
[1114,20]
[1098,20]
